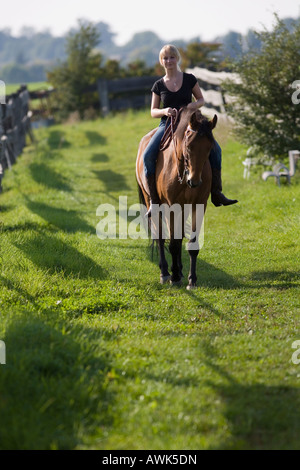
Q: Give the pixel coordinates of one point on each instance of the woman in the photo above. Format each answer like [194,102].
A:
[175,90]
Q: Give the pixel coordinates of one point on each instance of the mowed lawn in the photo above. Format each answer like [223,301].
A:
[99,355]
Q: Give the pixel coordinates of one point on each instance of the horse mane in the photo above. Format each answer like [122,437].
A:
[200,124]
[187,117]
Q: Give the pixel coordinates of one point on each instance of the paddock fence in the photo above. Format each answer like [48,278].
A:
[15,124]
[135,92]
[18,118]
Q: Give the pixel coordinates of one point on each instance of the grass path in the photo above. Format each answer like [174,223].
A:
[99,354]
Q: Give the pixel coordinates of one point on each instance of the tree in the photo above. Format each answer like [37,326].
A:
[73,78]
[201,54]
[138,68]
[112,69]
[263,111]
[232,44]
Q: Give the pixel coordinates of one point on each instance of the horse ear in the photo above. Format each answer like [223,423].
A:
[194,121]
[213,122]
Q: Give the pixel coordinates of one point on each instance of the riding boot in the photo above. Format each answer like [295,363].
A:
[154,199]
[217,197]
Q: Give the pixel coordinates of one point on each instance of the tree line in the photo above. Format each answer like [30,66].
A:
[264,113]
[28,57]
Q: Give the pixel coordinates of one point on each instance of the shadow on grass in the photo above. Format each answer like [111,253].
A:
[45,175]
[207,274]
[210,276]
[5,208]
[95,138]
[99,158]
[57,140]
[53,387]
[53,254]
[66,220]
[260,416]
[24,226]
[14,286]
[276,279]
[113,181]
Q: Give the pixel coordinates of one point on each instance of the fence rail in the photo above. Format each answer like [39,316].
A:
[15,124]
[124,93]
[134,92]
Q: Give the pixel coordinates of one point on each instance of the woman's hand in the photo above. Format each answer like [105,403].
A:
[170,112]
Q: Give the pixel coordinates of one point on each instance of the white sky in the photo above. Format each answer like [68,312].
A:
[175,19]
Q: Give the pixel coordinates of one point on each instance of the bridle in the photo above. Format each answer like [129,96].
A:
[168,136]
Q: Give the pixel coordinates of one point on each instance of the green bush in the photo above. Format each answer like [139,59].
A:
[264,114]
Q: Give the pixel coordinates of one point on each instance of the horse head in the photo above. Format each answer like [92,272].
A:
[197,144]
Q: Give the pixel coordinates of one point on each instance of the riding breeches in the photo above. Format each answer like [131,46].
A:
[152,149]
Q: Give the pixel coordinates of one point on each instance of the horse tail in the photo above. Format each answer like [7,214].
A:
[141,195]
[143,202]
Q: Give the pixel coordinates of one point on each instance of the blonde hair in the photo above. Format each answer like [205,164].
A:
[169,48]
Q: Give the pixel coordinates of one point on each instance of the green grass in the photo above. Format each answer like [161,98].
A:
[99,354]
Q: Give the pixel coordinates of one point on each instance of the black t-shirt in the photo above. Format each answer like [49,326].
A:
[175,99]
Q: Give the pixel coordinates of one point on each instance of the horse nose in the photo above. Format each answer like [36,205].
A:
[191,183]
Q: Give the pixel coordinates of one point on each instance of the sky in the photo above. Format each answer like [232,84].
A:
[173,19]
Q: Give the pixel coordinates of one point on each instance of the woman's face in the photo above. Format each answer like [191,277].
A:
[169,60]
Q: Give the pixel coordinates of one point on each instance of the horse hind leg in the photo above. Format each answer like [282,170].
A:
[157,232]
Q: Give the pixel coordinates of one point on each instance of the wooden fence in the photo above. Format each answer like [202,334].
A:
[135,92]
[15,124]
[212,87]
[125,93]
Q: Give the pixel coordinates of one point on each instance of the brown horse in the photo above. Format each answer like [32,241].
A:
[183,177]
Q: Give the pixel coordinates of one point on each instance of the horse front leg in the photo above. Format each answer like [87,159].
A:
[165,276]
[192,278]
[175,250]
[193,247]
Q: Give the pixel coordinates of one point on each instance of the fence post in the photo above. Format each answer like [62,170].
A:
[103,94]
[2,352]
[14,124]
[2,92]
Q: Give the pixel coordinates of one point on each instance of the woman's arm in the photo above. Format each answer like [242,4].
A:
[199,100]
[156,111]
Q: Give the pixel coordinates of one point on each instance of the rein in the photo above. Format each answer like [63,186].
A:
[168,137]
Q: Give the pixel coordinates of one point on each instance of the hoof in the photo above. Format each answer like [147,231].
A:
[165,279]
[191,286]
